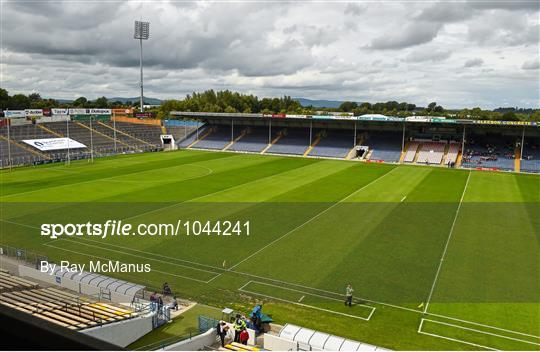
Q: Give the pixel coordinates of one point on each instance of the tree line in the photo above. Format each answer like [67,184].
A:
[231,102]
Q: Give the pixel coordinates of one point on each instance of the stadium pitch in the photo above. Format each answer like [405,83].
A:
[438,258]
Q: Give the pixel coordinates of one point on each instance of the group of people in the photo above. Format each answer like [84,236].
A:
[156,300]
[239,327]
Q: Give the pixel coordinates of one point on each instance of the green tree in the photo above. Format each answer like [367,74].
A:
[102,102]
[19,102]
[80,102]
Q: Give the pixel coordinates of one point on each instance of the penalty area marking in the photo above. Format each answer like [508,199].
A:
[242,289]
[468,329]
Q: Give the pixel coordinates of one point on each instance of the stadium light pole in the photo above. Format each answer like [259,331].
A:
[9,143]
[91,141]
[522,142]
[67,134]
[142,32]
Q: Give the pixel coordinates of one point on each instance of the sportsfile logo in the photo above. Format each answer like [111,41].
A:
[109,228]
[120,228]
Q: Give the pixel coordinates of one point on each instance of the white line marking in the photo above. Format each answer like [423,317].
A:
[213,193]
[484,325]
[136,255]
[310,219]
[98,179]
[301,298]
[452,339]
[304,305]
[470,329]
[402,199]
[310,294]
[447,243]
[293,284]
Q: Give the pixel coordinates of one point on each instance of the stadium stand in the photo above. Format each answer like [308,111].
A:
[411,152]
[293,142]
[192,137]
[255,140]
[431,153]
[58,306]
[385,146]
[218,139]
[101,136]
[334,144]
[148,133]
[452,154]
[530,161]
[9,283]
[486,152]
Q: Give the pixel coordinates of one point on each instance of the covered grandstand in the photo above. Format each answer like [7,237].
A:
[480,144]
[435,141]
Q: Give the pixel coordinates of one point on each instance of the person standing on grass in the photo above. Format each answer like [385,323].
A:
[348,295]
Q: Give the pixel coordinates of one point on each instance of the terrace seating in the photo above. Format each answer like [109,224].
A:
[489,153]
[122,140]
[431,153]
[191,138]
[148,133]
[218,139]
[411,152]
[181,132]
[254,141]
[385,146]
[295,142]
[63,308]
[146,138]
[530,161]
[452,154]
[335,144]
[81,134]
[10,283]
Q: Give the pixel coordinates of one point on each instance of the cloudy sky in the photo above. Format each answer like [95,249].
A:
[460,54]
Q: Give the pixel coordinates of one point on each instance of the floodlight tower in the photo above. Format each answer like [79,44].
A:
[142,32]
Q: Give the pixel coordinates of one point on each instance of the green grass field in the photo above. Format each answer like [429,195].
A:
[439,258]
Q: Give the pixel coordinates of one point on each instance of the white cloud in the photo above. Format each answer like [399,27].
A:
[407,51]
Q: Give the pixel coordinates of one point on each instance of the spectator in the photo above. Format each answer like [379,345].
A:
[175,303]
[153,301]
[166,289]
[244,337]
[222,329]
[159,303]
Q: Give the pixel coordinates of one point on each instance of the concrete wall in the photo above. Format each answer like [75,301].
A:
[195,343]
[124,332]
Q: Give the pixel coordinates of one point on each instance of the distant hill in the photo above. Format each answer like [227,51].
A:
[319,103]
[149,101]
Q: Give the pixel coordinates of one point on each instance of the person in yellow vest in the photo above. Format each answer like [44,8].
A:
[239,325]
